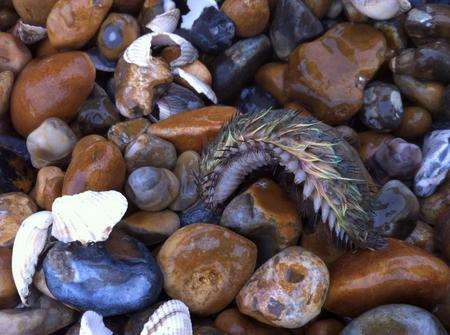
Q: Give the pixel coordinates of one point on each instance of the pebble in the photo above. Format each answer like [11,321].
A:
[8,293]
[370,142]
[205,265]
[192,129]
[14,54]
[14,208]
[396,210]
[383,108]
[254,99]
[51,143]
[32,12]
[117,32]
[151,227]
[206,330]
[436,207]
[270,77]
[287,291]
[237,65]
[232,322]
[150,150]
[422,236]
[72,23]
[318,7]
[442,237]
[45,48]
[416,121]
[152,189]
[212,32]
[398,273]
[123,133]
[48,187]
[186,170]
[100,62]
[351,13]
[435,164]
[96,116]
[128,6]
[351,52]
[54,86]
[292,24]
[250,17]
[264,214]
[428,22]
[113,277]
[199,70]
[394,32]
[97,166]
[8,17]
[397,319]
[6,85]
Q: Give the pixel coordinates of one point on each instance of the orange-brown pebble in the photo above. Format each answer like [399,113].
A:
[191,130]
[72,23]
[14,208]
[98,166]
[55,86]
[370,141]
[398,273]
[14,55]
[318,7]
[6,85]
[325,327]
[171,53]
[249,16]
[329,74]
[34,12]
[205,265]
[8,292]
[48,186]
[199,70]
[271,78]
[45,49]
[85,143]
[232,322]
[416,121]
[123,133]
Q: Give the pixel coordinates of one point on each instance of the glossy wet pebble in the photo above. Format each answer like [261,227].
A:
[33,12]
[115,277]
[96,116]
[8,292]
[398,319]
[205,265]
[416,121]
[125,132]
[422,236]
[6,85]
[48,187]
[250,17]
[14,54]
[436,207]
[270,77]
[287,291]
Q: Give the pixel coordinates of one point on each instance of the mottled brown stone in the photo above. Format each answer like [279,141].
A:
[325,327]
[14,55]
[8,292]
[249,16]
[48,186]
[416,121]
[34,12]
[271,78]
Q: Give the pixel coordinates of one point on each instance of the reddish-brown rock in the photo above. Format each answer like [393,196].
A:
[318,7]
[399,273]
[8,292]
[435,209]
[205,265]
[34,12]
[14,55]
[123,133]
[325,327]
[6,85]
[369,142]
[48,186]
[191,130]
[54,86]
[329,74]
[249,16]
[271,77]
[416,121]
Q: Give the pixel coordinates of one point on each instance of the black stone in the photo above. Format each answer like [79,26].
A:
[96,115]
[113,277]
[212,32]
[238,64]
[254,99]
[292,24]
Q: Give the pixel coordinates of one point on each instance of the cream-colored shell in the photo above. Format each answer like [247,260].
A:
[165,22]
[87,217]
[196,84]
[92,324]
[195,10]
[381,9]
[140,51]
[29,242]
[171,318]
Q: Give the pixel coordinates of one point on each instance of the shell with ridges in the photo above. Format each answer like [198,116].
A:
[92,324]
[381,9]
[88,216]
[171,318]
[165,22]
[29,242]
[196,84]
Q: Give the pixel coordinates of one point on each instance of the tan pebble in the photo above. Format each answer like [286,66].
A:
[14,55]
[48,186]
[249,16]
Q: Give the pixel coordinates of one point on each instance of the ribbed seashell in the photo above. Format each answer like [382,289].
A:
[166,22]
[171,318]
[196,84]
[28,33]
[177,99]
[29,242]
[87,217]
[195,10]
[140,51]
[381,9]
[92,324]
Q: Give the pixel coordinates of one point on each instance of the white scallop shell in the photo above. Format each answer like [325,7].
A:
[87,217]
[29,242]
[166,22]
[197,85]
[381,9]
[140,51]
[28,33]
[195,10]
[171,318]
[92,324]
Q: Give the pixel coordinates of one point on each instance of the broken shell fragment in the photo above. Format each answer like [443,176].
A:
[28,33]
[28,245]
[196,84]
[167,21]
[171,318]
[92,324]
[381,9]
[140,51]
[177,99]
[88,216]
[196,8]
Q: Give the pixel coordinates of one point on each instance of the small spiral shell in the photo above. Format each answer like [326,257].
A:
[171,318]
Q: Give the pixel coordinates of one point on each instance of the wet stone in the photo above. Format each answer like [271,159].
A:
[6,85]
[429,21]
[14,55]
[8,293]
[48,187]
[293,23]
[8,18]
[325,327]
[123,133]
[394,32]
[416,121]
[287,291]
[250,17]
[96,116]
[254,99]
[270,77]
[436,207]
[16,171]
[33,12]
[422,236]
[186,170]
[113,277]
[370,141]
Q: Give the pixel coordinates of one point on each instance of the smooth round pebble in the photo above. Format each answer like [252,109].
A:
[14,54]
[8,292]
[48,187]
[96,116]
[125,132]
[416,121]
[250,17]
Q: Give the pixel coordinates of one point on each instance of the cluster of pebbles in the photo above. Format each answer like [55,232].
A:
[107,111]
